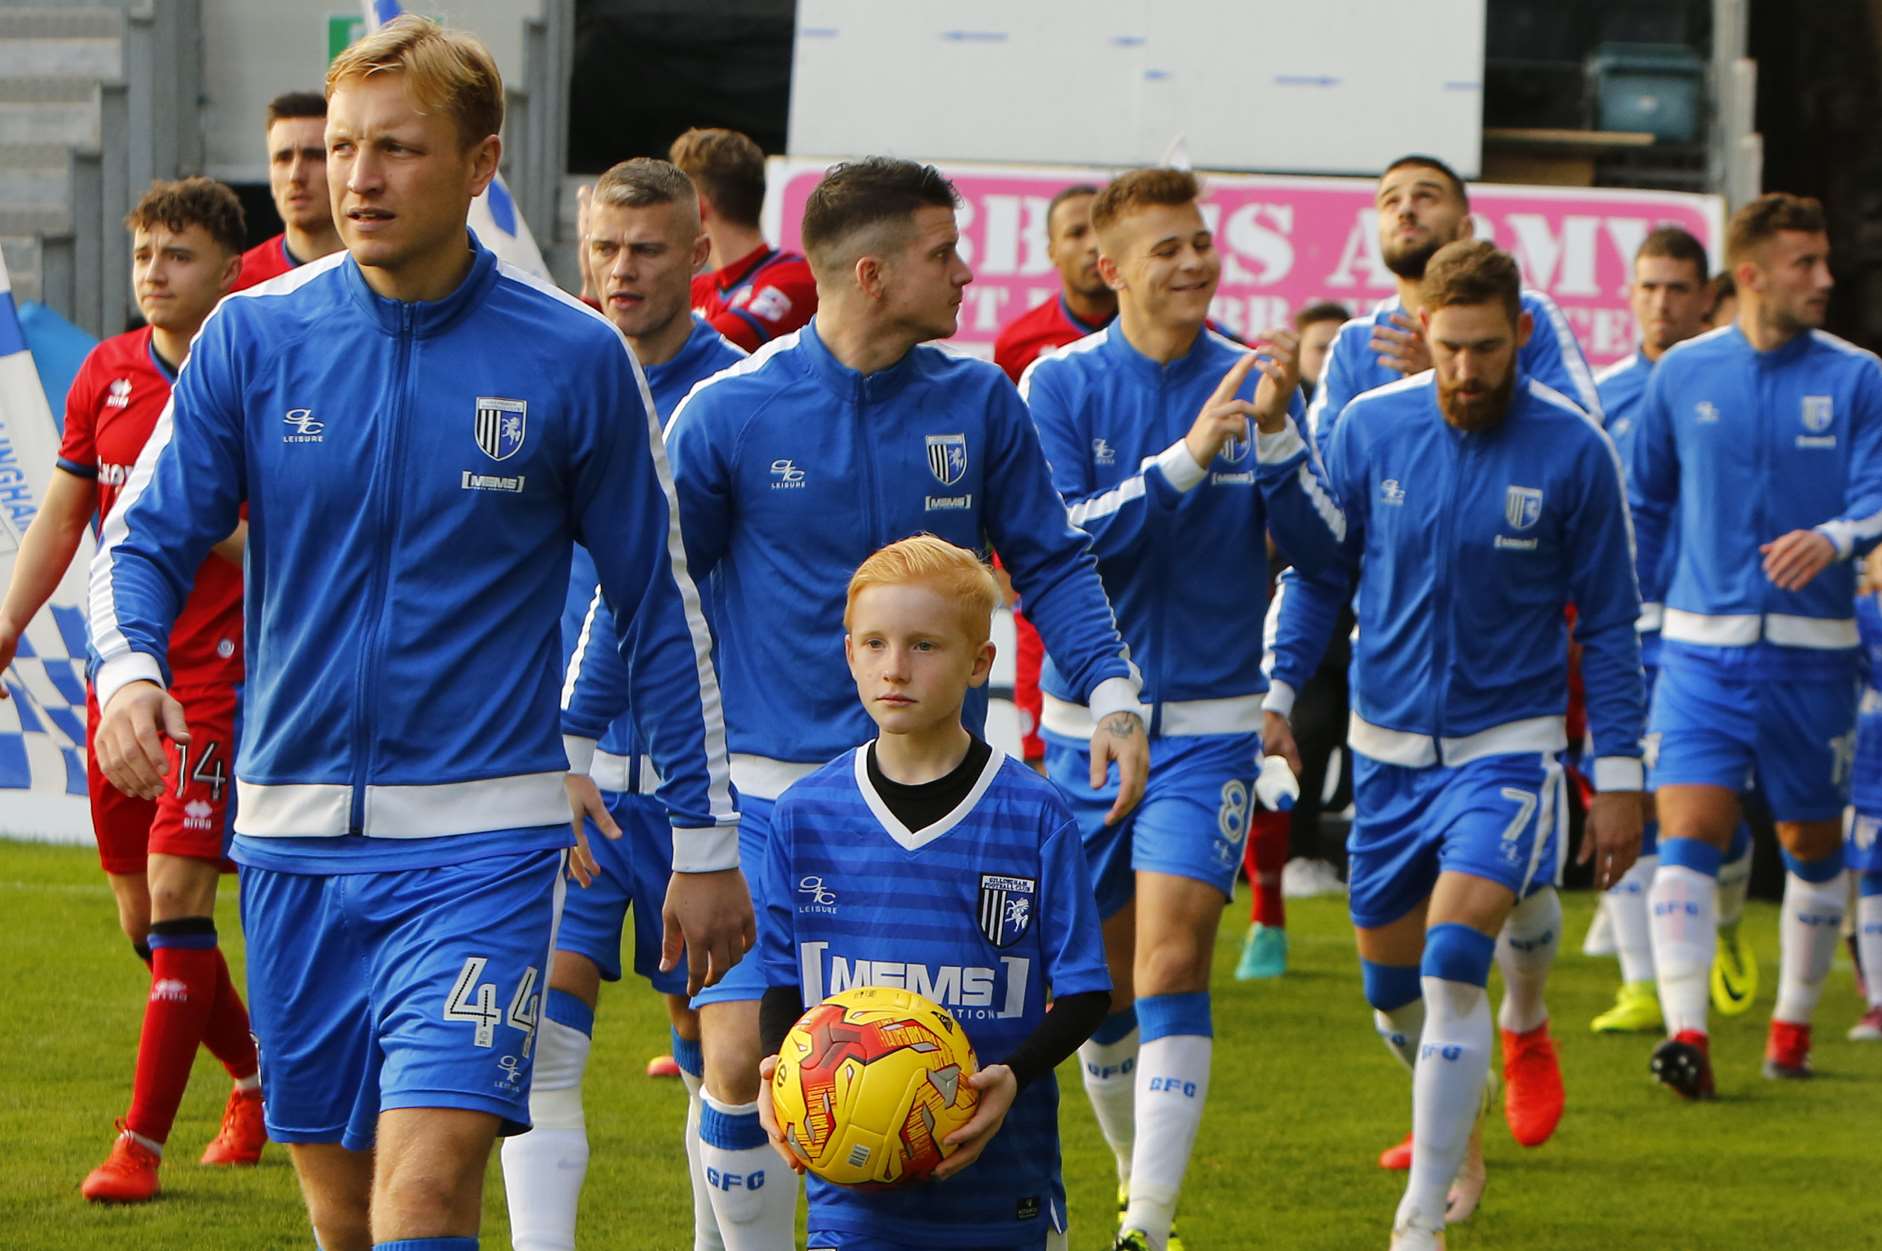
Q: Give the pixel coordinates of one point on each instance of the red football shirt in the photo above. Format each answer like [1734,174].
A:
[1037,331]
[267,259]
[113,405]
[758,297]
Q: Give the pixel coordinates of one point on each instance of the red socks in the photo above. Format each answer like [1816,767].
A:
[227,1034]
[1263,859]
[193,1002]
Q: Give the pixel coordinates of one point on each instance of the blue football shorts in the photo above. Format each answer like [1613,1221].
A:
[1190,823]
[746,981]
[416,988]
[1716,725]
[1502,818]
[1862,845]
[635,869]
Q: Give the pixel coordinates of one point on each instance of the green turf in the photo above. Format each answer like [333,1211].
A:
[1303,1098]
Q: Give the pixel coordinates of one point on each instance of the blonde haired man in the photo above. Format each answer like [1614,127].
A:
[421,434]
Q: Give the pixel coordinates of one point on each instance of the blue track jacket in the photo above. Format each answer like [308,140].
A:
[793,468]
[416,475]
[1552,357]
[1789,439]
[1622,386]
[1465,549]
[1182,548]
[620,764]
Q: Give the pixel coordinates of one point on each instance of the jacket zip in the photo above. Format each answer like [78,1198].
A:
[376,585]
[1441,589]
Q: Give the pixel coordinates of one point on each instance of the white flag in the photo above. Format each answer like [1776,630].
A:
[42,724]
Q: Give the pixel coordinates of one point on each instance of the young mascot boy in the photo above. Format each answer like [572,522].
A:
[930,849]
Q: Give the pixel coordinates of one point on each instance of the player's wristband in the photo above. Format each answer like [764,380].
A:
[1280,698]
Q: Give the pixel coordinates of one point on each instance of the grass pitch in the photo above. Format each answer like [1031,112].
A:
[1303,1097]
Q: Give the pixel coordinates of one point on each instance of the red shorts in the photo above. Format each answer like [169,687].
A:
[193,816]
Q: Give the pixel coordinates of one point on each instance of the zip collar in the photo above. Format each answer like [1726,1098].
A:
[1203,353]
[849,383]
[424,318]
[685,361]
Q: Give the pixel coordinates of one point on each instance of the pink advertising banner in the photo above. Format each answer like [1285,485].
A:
[1287,242]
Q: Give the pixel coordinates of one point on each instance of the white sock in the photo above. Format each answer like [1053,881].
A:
[1172,1085]
[1447,1087]
[1684,904]
[1627,912]
[1400,1030]
[1734,885]
[705,1224]
[1525,952]
[543,1170]
[1869,943]
[754,1196]
[1813,919]
[1110,1071]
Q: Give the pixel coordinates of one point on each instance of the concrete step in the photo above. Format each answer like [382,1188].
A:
[76,42]
[39,219]
[33,174]
[49,111]
[22,253]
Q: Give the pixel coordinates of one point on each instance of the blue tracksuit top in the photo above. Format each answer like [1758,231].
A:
[793,468]
[704,354]
[1552,357]
[1789,439]
[1465,549]
[416,475]
[1622,386]
[1182,548]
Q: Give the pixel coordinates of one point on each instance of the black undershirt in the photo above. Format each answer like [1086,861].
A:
[928,803]
[1072,1017]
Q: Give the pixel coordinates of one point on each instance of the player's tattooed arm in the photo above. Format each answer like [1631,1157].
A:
[1120,737]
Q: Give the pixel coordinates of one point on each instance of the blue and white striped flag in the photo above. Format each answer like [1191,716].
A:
[493,215]
[42,724]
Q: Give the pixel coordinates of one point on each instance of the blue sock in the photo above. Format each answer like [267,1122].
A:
[427,1244]
[687,1054]
[1115,1026]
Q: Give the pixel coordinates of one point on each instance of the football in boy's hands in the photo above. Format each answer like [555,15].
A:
[868,1084]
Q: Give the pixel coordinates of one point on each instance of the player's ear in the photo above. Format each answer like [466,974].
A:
[1466,227]
[231,270]
[484,157]
[1525,327]
[983,665]
[702,248]
[1108,271]
[868,275]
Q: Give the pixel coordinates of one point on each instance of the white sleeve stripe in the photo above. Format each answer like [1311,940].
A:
[1132,488]
[108,638]
[1846,532]
[711,704]
[1572,360]
[581,649]
[1271,627]
[1323,504]
[1111,501]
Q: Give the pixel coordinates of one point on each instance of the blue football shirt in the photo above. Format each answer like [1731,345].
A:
[986,912]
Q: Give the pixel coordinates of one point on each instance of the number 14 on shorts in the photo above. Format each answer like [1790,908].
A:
[474,1000]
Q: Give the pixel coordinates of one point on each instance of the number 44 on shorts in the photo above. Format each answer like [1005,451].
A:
[476,1002]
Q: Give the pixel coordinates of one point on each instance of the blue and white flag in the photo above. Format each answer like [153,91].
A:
[42,723]
[493,215]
